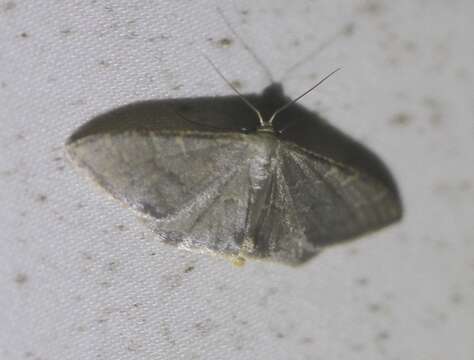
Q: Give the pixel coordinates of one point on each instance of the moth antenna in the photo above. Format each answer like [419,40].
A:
[347,29]
[259,115]
[288,104]
[247,47]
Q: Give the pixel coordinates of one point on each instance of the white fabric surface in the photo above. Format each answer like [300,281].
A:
[81,278]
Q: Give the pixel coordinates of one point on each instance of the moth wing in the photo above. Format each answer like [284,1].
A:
[276,231]
[313,202]
[192,187]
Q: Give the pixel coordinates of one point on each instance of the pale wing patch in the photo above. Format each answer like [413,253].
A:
[216,221]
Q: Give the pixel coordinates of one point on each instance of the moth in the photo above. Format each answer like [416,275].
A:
[246,177]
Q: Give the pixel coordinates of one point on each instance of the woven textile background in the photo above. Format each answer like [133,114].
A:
[81,278]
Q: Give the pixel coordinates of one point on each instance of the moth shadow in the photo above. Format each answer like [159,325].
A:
[229,113]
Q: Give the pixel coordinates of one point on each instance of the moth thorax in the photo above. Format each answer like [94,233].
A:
[260,164]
